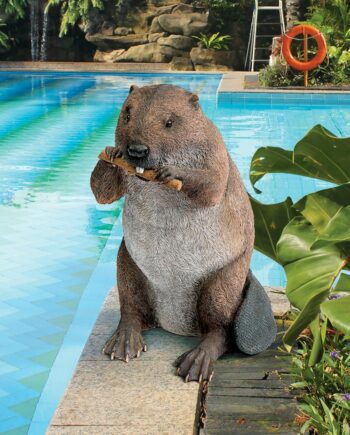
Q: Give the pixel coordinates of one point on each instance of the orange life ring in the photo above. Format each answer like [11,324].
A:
[305,30]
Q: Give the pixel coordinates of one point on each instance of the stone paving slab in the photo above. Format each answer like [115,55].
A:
[141,397]
[246,81]
[83,66]
[95,66]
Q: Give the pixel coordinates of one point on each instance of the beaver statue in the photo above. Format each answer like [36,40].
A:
[184,260]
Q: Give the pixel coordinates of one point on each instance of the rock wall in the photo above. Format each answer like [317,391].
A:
[158,31]
[72,47]
[137,31]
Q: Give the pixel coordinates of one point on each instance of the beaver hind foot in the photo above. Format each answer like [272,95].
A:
[197,364]
[125,344]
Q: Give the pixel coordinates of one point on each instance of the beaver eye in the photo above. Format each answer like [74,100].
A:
[127,118]
[169,123]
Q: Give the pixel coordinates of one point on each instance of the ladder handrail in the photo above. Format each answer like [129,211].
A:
[253,30]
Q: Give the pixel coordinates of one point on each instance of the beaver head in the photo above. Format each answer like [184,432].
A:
[161,124]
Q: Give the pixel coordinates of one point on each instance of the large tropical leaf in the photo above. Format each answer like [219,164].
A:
[338,312]
[329,212]
[310,267]
[314,245]
[308,315]
[319,154]
[270,219]
[343,285]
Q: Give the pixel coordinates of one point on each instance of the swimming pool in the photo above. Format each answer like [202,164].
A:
[58,247]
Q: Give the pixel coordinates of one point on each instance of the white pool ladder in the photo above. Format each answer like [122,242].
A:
[252,49]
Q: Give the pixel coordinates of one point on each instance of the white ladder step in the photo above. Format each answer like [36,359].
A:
[268,8]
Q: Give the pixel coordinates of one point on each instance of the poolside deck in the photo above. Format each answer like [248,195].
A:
[249,395]
[232,81]
[145,397]
[141,397]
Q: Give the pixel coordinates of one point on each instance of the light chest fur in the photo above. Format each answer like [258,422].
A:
[176,246]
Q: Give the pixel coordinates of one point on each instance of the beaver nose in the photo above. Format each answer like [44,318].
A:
[138,151]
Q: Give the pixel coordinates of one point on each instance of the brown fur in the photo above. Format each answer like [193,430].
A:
[195,153]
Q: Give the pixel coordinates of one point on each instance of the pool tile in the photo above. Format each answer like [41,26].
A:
[54,234]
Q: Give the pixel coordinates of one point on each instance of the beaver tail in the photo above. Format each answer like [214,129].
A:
[254,325]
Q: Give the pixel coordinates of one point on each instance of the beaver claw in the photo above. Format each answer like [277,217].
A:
[113,153]
[125,344]
[195,365]
[167,173]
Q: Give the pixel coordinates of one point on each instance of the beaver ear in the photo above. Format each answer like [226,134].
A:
[194,99]
[132,88]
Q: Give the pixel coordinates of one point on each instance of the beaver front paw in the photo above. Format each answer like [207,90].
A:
[126,343]
[167,173]
[195,365]
[113,153]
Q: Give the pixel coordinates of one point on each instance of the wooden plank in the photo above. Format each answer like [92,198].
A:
[239,426]
[282,393]
[250,395]
[263,367]
[237,357]
[250,383]
[226,376]
[252,408]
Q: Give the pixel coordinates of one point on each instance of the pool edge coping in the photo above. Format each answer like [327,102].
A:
[231,81]
[76,337]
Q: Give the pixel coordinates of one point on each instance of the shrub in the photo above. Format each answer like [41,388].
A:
[73,11]
[4,39]
[215,41]
[10,11]
[311,238]
[325,395]
[333,20]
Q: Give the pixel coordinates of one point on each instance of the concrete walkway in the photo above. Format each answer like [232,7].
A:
[141,397]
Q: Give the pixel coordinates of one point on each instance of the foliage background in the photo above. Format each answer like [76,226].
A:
[333,20]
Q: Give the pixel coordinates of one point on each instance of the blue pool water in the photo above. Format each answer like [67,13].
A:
[58,246]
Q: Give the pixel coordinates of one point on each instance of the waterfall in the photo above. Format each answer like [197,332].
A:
[43,47]
[38,36]
[34,29]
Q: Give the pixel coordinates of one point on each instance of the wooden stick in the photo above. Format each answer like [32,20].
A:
[148,174]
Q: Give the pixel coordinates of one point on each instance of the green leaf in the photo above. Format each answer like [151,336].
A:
[329,211]
[319,154]
[345,428]
[343,285]
[319,335]
[338,312]
[308,314]
[338,229]
[270,219]
[310,268]
[301,384]
[213,37]
[273,160]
